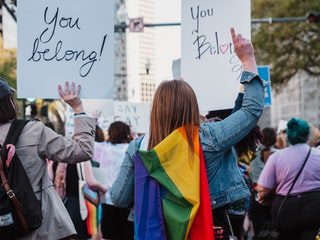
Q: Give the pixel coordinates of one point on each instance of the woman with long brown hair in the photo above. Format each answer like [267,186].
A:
[175,106]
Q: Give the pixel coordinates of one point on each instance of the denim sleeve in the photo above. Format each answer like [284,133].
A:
[122,190]
[238,103]
[221,136]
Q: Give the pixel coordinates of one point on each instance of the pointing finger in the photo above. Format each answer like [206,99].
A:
[233,35]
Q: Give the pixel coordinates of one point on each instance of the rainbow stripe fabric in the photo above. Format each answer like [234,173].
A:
[172,198]
[94,217]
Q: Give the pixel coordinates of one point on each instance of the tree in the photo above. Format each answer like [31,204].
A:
[8,64]
[287,47]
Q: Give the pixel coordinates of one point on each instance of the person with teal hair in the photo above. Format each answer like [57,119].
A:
[298,131]
[299,217]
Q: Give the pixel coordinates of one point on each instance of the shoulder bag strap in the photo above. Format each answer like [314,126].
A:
[12,137]
[299,173]
[80,171]
[293,183]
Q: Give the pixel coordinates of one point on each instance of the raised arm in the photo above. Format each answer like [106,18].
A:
[225,134]
[80,147]
[239,100]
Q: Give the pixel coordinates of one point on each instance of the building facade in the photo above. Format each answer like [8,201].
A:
[8,24]
[141,53]
[120,90]
[299,98]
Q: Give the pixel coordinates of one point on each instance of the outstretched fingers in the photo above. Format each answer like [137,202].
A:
[78,90]
[66,88]
[73,88]
[61,93]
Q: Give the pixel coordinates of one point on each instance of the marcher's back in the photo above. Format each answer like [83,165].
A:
[110,154]
[174,106]
[293,174]
[110,157]
[287,163]
[36,169]
[38,143]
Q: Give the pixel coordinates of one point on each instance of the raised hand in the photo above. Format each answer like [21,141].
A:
[71,96]
[245,52]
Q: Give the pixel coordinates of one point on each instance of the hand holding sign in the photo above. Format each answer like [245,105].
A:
[209,62]
[245,52]
[71,96]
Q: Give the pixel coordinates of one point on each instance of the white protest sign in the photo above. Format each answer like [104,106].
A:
[209,62]
[103,107]
[69,40]
[136,115]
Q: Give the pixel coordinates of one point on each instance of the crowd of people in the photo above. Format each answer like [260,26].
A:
[254,180]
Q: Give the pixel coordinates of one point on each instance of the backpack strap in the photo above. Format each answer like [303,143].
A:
[15,131]
[12,137]
[13,134]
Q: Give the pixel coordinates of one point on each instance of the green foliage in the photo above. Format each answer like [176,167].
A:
[8,65]
[287,47]
[7,71]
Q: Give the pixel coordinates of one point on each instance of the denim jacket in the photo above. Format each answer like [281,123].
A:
[217,139]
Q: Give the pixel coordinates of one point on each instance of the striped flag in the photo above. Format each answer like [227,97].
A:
[94,217]
[172,198]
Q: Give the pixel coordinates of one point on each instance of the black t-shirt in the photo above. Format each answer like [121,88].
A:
[72,181]
[72,178]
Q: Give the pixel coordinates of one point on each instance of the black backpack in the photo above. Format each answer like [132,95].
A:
[20,210]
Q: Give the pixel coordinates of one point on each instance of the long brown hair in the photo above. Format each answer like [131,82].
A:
[174,105]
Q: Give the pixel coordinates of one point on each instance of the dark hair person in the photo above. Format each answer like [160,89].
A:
[245,150]
[269,137]
[174,106]
[299,217]
[119,132]
[110,154]
[99,135]
[260,214]
[37,143]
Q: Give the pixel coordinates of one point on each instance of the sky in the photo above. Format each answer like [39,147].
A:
[168,39]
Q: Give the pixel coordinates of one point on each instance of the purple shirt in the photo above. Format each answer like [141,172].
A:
[283,166]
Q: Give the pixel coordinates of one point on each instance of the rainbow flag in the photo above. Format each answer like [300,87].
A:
[94,217]
[172,200]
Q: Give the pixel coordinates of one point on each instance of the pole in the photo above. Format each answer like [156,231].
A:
[123,26]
